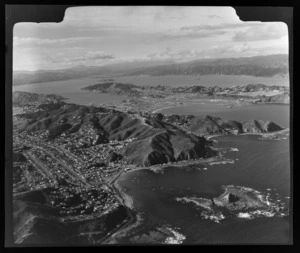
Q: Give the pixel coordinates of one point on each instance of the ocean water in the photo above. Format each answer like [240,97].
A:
[260,165]
[278,113]
[71,89]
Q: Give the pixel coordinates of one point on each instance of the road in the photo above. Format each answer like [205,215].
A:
[130,213]
[40,166]
[62,149]
[71,172]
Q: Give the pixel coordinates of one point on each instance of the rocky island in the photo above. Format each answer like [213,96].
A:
[238,202]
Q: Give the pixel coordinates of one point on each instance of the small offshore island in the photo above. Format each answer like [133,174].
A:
[68,157]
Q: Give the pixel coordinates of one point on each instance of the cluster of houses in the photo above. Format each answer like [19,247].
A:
[74,200]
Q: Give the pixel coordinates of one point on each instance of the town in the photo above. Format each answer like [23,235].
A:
[75,180]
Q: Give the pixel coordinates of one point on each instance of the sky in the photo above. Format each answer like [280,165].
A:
[98,36]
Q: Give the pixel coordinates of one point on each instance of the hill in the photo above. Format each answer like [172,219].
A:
[41,224]
[113,88]
[22,98]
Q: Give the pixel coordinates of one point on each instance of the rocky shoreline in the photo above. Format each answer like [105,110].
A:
[238,202]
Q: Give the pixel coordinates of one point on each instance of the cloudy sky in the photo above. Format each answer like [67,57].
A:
[96,36]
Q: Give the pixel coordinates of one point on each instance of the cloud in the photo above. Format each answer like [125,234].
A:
[246,31]
[207,31]
[98,55]
[191,34]
[215,16]
[89,56]
[181,55]
[23,41]
[216,51]
[263,32]
[225,26]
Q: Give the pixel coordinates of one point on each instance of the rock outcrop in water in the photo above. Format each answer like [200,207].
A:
[237,198]
[283,98]
[260,126]
[238,202]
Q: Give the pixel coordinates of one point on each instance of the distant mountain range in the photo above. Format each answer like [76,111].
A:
[254,66]
[264,66]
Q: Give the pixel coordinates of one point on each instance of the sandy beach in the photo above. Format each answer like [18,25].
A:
[127,200]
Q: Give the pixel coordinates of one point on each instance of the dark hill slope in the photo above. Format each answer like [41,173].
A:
[36,223]
[151,150]
[121,126]
[167,147]
[21,98]
[260,126]
[213,125]
[41,224]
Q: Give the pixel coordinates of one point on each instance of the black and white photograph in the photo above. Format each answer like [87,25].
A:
[151,125]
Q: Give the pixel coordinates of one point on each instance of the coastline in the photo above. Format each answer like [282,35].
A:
[127,199]
[270,134]
[127,202]
[227,103]
[163,108]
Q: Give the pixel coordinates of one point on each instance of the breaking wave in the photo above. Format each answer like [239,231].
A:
[176,238]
